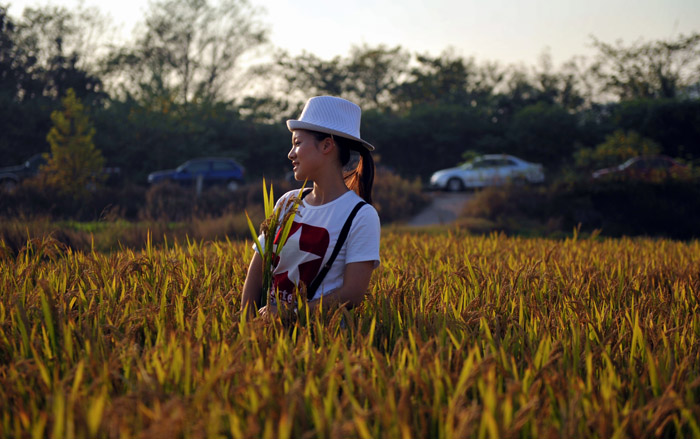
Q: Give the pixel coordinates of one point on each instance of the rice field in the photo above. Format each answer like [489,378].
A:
[461,336]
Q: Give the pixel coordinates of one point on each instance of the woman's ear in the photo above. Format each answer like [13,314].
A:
[327,145]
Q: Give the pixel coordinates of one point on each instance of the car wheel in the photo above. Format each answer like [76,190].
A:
[454,184]
[232,185]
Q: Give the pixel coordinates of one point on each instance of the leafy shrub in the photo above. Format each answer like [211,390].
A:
[512,208]
[618,147]
[494,203]
[396,198]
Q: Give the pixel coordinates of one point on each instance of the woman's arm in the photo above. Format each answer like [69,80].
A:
[252,285]
[355,283]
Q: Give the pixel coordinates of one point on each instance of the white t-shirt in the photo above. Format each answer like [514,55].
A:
[311,241]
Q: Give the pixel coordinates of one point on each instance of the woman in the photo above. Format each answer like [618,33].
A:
[322,138]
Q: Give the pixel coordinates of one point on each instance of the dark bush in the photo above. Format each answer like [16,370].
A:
[668,208]
[169,202]
[107,219]
[33,199]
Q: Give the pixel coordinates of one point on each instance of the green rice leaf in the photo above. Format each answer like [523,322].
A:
[266,200]
[254,233]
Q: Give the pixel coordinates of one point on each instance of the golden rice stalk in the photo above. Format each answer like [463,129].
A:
[276,221]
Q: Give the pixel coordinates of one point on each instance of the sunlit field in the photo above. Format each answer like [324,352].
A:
[460,336]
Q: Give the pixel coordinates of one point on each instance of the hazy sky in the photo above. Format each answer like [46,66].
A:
[509,31]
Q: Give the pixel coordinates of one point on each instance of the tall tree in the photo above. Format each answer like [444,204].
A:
[10,71]
[307,75]
[442,79]
[374,73]
[188,50]
[544,133]
[14,123]
[74,164]
[558,86]
[368,76]
[59,49]
[657,69]
[448,79]
[39,62]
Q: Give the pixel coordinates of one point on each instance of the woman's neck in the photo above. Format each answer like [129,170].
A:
[327,189]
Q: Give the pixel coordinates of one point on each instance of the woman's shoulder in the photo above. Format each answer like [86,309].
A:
[367,212]
[351,198]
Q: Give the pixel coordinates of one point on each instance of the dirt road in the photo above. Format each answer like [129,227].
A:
[444,209]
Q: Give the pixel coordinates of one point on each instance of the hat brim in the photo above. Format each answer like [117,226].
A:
[299,125]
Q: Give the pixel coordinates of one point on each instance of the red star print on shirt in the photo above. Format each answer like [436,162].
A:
[301,259]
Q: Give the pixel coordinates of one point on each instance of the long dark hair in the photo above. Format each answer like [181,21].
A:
[361,178]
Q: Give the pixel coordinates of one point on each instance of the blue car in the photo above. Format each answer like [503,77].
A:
[211,170]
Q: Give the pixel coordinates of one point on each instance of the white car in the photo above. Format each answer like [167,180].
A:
[487,170]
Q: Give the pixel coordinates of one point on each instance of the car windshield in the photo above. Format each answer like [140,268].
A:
[484,163]
[34,160]
[628,163]
[223,166]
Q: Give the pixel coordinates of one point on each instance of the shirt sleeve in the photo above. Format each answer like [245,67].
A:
[363,238]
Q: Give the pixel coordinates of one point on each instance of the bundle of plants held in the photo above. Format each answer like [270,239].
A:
[275,230]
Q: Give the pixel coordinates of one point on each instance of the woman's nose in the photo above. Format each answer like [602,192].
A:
[291,154]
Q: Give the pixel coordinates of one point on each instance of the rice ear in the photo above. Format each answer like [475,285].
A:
[288,219]
[285,232]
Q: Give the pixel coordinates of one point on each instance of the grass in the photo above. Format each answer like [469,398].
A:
[461,336]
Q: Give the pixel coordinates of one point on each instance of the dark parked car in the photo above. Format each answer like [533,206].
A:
[11,176]
[645,168]
[212,171]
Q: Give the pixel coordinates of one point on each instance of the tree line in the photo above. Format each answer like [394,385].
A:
[179,88]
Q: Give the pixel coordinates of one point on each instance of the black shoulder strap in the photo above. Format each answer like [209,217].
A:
[306,192]
[311,290]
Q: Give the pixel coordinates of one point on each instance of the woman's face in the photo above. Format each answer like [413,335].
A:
[305,155]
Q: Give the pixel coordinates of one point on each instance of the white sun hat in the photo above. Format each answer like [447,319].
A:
[328,114]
